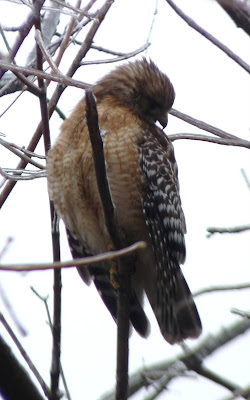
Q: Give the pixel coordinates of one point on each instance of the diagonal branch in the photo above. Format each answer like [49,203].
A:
[59,90]
[13,378]
[208,36]
[225,142]
[79,262]
[202,125]
[25,356]
[164,372]
[24,31]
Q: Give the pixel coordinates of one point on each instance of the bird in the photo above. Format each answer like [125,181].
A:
[133,102]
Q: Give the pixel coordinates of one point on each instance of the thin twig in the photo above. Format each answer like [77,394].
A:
[225,142]
[119,58]
[21,175]
[216,378]
[43,49]
[244,314]
[104,49]
[221,288]
[210,37]
[234,229]
[45,302]
[245,177]
[21,152]
[59,90]
[80,262]
[62,79]
[65,41]
[56,327]
[178,366]
[33,88]
[23,32]
[13,102]
[202,125]
[152,24]
[244,393]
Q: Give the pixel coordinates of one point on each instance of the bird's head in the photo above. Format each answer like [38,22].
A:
[141,87]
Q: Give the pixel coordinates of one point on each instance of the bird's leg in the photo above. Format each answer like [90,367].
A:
[114,279]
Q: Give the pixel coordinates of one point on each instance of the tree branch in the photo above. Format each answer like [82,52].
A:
[225,142]
[14,380]
[210,37]
[124,265]
[23,32]
[79,262]
[59,90]
[221,288]
[164,372]
[234,229]
[25,356]
[202,125]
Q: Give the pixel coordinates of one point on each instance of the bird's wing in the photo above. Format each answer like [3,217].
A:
[174,309]
[100,274]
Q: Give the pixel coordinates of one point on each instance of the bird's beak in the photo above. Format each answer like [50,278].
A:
[163,121]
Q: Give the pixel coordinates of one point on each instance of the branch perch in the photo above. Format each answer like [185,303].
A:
[124,265]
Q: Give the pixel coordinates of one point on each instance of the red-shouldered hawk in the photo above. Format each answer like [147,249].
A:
[142,175]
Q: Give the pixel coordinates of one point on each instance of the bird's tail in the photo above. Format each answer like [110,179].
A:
[175,309]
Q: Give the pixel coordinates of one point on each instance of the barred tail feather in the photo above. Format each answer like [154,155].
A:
[178,317]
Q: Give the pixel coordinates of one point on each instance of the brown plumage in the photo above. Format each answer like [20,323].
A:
[143,180]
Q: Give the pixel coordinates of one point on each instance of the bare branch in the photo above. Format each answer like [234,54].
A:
[234,229]
[62,79]
[119,58]
[23,32]
[225,142]
[22,153]
[244,393]
[80,262]
[66,39]
[210,37]
[124,267]
[244,314]
[164,372]
[245,178]
[222,288]
[21,175]
[50,61]
[49,24]
[202,125]
[152,23]
[45,301]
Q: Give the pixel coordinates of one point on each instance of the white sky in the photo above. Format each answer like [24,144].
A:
[209,86]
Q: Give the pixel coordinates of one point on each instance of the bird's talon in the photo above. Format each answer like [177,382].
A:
[114,279]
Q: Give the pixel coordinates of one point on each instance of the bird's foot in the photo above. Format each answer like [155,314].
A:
[114,280]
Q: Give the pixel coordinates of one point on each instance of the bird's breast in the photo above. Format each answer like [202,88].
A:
[125,179]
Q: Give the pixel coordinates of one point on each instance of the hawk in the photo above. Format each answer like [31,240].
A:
[143,180]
